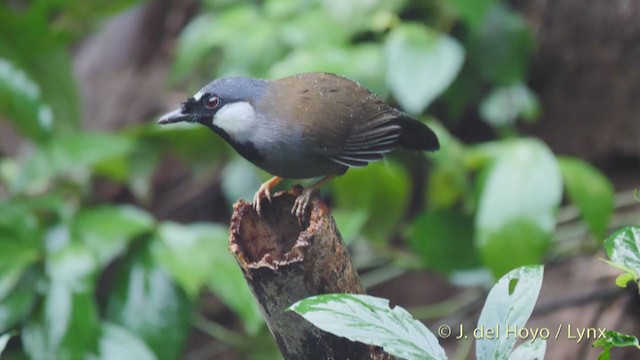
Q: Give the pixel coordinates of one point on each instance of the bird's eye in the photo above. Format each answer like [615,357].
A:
[212,102]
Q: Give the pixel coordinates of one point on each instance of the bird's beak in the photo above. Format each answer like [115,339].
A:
[174,117]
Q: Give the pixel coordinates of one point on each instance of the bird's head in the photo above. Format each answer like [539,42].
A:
[224,105]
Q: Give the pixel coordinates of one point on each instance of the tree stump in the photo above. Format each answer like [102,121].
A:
[284,262]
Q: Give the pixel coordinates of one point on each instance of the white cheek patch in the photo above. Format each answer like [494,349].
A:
[236,119]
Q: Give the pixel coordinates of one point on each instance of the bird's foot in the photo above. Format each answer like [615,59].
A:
[263,193]
[301,205]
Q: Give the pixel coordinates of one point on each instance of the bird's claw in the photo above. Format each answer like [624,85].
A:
[262,193]
[301,205]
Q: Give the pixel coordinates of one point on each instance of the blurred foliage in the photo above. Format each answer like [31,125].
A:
[80,279]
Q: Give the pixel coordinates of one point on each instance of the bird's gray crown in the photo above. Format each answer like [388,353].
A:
[236,88]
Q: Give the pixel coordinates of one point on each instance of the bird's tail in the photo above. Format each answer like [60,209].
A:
[416,135]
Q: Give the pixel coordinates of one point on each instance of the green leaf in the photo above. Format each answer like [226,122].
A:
[623,248]
[4,339]
[197,39]
[533,350]
[504,105]
[421,64]
[51,69]
[21,102]
[623,279]
[502,46]
[198,255]
[473,12]
[73,266]
[520,195]
[207,33]
[360,15]
[370,320]
[107,230]
[447,183]
[146,302]
[311,28]
[68,155]
[187,252]
[381,191]
[16,256]
[120,343]
[17,304]
[444,240]
[67,328]
[363,63]
[509,305]
[184,140]
[614,339]
[240,180]
[350,223]
[590,191]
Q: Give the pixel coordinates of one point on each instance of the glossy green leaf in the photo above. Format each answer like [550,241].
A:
[107,230]
[591,191]
[508,306]
[118,342]
[71,155]
[614,339]
[146,302]
[521,192]
[421,64]
[381,190]
[623,248]
[504,105]
[198,255]
[370,320]
[531,350]
[444,240]
[21,102]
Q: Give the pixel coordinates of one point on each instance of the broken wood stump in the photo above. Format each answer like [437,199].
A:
[284,262]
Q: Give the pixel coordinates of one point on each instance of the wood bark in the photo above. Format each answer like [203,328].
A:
[284,261]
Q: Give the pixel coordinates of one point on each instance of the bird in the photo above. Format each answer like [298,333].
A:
[309,125]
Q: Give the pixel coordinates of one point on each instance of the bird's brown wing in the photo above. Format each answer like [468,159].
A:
[368,143]
[342,120]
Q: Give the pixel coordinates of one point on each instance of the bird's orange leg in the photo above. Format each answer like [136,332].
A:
[265,192]
[302,202]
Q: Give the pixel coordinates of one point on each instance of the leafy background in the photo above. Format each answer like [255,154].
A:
[113,231]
